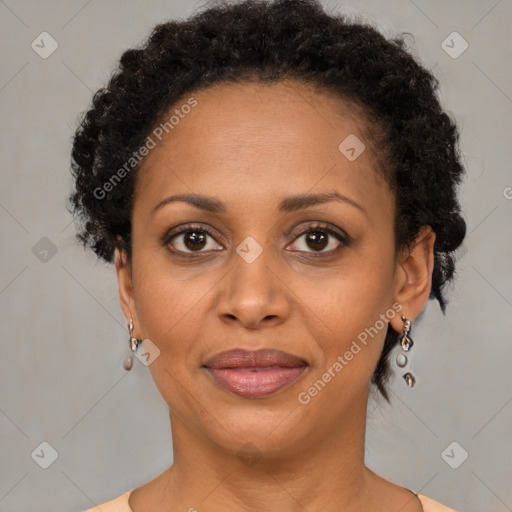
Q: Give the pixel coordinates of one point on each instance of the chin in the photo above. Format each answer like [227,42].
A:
[270,433]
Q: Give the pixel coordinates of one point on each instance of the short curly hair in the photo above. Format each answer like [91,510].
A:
[271,41]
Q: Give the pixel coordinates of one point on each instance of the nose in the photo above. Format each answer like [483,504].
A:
[254,295]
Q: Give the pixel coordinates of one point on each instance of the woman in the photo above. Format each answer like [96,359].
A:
[277,189]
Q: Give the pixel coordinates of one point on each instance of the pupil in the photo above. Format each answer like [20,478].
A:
[318,239]
[194,235]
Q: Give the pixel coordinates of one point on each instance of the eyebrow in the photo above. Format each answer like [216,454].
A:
[287,205]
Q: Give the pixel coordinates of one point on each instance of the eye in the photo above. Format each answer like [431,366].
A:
[191,239]
[321,239]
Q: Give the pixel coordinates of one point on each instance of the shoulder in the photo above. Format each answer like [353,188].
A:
[119,504]
[430,505]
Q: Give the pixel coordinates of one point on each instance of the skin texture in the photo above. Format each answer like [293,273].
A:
[249,146]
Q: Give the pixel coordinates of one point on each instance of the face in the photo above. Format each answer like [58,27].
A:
[256,268]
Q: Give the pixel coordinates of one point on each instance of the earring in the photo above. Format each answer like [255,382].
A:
[406,344]
[134,345]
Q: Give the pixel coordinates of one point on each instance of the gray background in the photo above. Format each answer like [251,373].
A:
[63,338]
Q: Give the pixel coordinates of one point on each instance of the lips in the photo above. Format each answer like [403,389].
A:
[262,358]
[255,374]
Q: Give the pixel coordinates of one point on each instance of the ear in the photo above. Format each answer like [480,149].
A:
[414,277]
[125,287]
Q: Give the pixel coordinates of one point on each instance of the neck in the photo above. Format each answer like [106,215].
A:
[319,473]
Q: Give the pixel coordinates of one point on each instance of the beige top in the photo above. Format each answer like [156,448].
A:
[120,504]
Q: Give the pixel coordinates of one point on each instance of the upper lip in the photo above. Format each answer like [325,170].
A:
[240,358]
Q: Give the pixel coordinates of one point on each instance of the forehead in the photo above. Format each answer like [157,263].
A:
[260,138]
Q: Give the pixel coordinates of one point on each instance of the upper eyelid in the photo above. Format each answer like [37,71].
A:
[320,225]
[180,230]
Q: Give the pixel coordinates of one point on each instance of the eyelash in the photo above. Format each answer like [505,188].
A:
[315,227]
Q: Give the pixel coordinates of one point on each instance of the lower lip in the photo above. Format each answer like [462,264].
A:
[255,382]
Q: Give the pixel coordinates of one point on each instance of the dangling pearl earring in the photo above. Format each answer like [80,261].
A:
[134,345]
[406,344]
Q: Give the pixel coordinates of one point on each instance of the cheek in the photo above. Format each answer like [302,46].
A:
[350,347]
[170,313]
[351,307]
[174,308]
[167,307]
[356,330]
